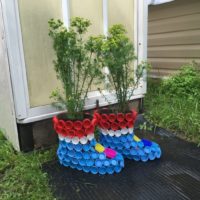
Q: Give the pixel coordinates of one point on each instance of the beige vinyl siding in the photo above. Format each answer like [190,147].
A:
[173,36]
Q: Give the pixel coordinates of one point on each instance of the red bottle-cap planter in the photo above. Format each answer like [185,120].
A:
[77,131]
[116,124]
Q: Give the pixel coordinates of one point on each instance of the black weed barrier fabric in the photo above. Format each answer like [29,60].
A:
[175,176]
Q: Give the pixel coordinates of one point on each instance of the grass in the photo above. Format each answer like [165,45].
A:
[21,177]
[173,112]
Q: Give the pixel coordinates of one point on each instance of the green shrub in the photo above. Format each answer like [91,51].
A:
[184,84]
[174,103]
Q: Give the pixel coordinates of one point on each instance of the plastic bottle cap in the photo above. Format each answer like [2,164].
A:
[124,131]
[89,163]
[70,146]
[90,137]
[61,138]
[86,155]
[67,139]
[111,133]
[130,130]
[117,169]
[75,140]
[78,147]
[86,147]
[110,170]
[83,140]
[118,133]
[106,163]
[102,156]
[94,170]
[137,139]
[94,155]
[104,132]
[99,148]
[98,163]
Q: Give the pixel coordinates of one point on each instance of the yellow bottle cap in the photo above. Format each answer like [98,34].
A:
[99,148]
[137,139]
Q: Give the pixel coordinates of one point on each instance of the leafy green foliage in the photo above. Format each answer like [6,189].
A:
[21,176]
[77,65]
[185,84]
[174,105]
[117,53]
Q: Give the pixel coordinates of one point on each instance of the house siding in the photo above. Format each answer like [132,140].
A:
[173,36]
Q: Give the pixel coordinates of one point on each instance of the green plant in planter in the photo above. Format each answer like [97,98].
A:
[117,127]
[117,54]
[76,64]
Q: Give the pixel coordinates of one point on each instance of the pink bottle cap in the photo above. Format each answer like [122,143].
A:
[110,153]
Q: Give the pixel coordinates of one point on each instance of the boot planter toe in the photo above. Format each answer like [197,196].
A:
[116,132]
[79,150]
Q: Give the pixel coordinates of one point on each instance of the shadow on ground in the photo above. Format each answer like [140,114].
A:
[175,176]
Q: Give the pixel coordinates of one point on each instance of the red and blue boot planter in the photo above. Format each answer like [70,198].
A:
[117,133]
[78,148]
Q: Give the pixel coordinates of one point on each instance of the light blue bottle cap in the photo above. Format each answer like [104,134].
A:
[155,144]
[86,147]
[123,138]
[86,169]
[129,137]
[63,151]
[93,142]
[60,156]
[151,156]
[79,167]
[153,149]
[119,157]
[94,155]
[136,158]
[67,159]
[71,153]
[119,146]
[141,152]
[74,161]
[127,145]
[78,147]
[116,140]
[105,144]
[110,170]
[102,156]
[144,158]
[98,163]
[78,155]
[147,149]
[93,170]
[140,144]
[106,163]
[117,169]
[102,170]
[73,166]
[158,154]
[70,146]
[86,155]
[112,145]
[121,163]
[66,164]
[82,162]
[63,144]
[108,139]
[114,162]
[89,163]
[126,151]
[134,144]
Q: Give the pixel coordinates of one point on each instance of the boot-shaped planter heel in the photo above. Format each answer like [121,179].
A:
[116,132]
[79,150]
